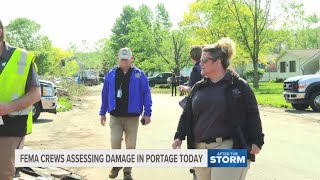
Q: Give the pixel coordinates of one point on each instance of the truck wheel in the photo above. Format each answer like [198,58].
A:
[36,110]
[315,101]
[300,106]
[152,84]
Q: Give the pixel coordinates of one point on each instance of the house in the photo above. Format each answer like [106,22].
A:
[298,62]
[267,62]
[288,64]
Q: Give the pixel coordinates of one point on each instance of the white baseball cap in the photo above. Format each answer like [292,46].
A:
[125,53]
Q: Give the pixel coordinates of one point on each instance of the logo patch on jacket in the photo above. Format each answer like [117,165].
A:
[236,92]
[138,75]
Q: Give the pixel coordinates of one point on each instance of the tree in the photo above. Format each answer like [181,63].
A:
[54,63]
[44,48]
[142,43]
[154,45]
[105,51]
[180,47]
[253,19]
[24,33]
[162,17]
[120,29]
[241,60]
[279,40]
[303,31]
[209,20]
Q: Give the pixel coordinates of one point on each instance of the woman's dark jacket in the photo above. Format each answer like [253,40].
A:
[242,114]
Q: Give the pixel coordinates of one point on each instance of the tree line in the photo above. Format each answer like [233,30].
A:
[256,27]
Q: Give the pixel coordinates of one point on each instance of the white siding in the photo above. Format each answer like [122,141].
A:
[287,58]
[269,76]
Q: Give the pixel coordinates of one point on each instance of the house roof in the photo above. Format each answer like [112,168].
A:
[301,53]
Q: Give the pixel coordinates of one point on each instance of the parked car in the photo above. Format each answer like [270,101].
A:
[303,91]
[160,78]
[49,99]
[101,77]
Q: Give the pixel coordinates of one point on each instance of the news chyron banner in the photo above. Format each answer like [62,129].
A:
[131,158]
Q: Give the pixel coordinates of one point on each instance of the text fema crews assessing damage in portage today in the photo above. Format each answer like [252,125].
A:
[134,158]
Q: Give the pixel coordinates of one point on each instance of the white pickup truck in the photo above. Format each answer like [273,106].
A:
[303,91]
[49,99]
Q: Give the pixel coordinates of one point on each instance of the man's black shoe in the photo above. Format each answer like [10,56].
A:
[127,175]
[114,172]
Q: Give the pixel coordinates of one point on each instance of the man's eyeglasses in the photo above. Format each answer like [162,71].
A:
[205,60]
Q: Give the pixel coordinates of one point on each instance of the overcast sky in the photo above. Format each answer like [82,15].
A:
[65,21]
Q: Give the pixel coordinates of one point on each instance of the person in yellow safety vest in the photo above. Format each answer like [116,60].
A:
[19,89]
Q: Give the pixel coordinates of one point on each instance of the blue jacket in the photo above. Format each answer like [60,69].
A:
[139,93]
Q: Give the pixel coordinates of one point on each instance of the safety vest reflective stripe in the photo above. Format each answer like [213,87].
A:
[22,62]
[25,111]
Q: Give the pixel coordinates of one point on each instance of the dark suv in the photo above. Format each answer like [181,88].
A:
[160,78]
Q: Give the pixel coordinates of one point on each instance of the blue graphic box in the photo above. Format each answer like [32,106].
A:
[227,158]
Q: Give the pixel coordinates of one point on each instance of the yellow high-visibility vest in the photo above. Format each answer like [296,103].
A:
[13,80]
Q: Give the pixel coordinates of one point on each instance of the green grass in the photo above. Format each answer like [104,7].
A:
[270,94]
[65,103]
[162,90]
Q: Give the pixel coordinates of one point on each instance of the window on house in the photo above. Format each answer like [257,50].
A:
[261,66]
[292,66]
[282,67]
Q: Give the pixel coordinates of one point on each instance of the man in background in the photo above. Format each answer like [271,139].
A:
[195,76]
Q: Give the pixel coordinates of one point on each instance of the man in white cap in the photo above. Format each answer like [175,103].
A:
[125,95]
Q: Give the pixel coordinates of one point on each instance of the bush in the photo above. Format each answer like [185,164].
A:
[279,80]
[250,74]
[164,86]
[243,77]
[65,104]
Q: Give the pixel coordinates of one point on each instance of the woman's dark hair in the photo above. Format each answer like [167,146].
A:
[195,52]
[224,50]
[2,28]
[173,75]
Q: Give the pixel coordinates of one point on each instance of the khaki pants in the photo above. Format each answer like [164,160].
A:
[7,155]
[128,125]
[220,173]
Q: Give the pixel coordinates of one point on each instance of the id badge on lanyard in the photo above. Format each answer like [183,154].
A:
[1,121]
[119,92]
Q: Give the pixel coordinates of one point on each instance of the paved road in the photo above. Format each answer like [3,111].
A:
[291,150]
